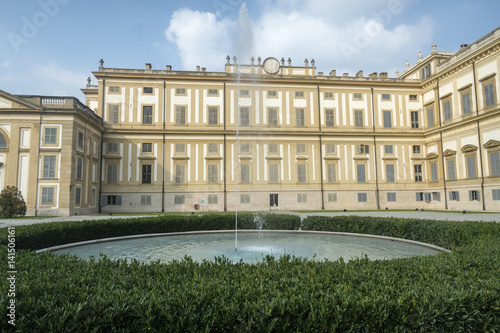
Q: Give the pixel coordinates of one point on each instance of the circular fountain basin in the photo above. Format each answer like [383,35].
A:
[253,246]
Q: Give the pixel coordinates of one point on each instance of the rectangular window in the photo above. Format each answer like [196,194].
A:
[389,149]
[357,96]
[489,94]
[212,116]
[471,167]
[79,168]
[430,117]
[180,147]
[301,197]
[78,196]
[213,92]
[427,197]
[301,173]
[245,198]
[244,116]
[212,199]
[114,111]
[213,172]
[495,164]
[495,194]
[147,90]
[447,110]
[358,118]
[362,197]
[146,174]
[362,149]
[330,149]
[299,117]
[416,149]
[112,175]
[473,195]
[179,173]
[50,136]
[413,98]
[80,140]
[113,200]
[301,148]
[147,114]
[244,93]
[414,120]
[114,89]
[179,199]
[213,148]
[418,172]
[49,166]
[328,95]
[386,97]
[436,196]
[451,169]
[47,195]
[245,148]
[273,116]
[434,174]
[112,147]
[426,71]
[389,170]
[299,94]
[360,170]
[391,196]
[273,173]
[180,115]
[272,148]
[145,200]
[332,197]
[147,147]
[271,93]
[273,200]
[245,173]
[180,91]
[329,118]
[454,196]
[420,196]
[92,197]
[466,103]
[332,173]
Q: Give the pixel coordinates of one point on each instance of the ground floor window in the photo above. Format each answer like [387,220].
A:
[362,197]
[273,200]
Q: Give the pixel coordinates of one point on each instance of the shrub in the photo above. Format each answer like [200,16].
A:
[12,203]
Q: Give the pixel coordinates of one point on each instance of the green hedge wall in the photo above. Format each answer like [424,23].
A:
[448,292]
[42,235]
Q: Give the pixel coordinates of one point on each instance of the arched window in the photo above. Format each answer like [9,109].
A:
[3,142]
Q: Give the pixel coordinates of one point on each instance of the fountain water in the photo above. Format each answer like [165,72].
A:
[244,49]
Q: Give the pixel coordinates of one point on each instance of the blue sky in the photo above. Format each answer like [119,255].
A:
[50,47]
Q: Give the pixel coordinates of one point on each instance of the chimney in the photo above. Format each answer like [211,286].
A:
[333,72]
[169,67]
[203,69]
[373,75]
[148,66]
[197,68]
[463,46]
[359,74]
[346,74]
[384,75]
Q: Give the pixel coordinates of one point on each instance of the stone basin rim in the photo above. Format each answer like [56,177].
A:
[185,233]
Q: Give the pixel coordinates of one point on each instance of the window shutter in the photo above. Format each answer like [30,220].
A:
[103,200]
[118,200]
[367,149]
[427,197]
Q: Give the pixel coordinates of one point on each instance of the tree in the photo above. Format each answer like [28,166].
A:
[12,203]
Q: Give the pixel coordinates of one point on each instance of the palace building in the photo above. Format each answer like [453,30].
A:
[263,135]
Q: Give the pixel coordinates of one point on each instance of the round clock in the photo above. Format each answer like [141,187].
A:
[271,65]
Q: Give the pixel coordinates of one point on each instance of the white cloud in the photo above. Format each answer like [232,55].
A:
[337,35]
[58,80]
[201,38]
[5,64]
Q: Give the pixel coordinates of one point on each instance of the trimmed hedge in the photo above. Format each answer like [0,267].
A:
[448,292]
[42,235]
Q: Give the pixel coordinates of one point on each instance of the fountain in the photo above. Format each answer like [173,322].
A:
[244,49]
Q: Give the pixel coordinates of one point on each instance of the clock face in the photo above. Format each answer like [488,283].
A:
[271,65]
